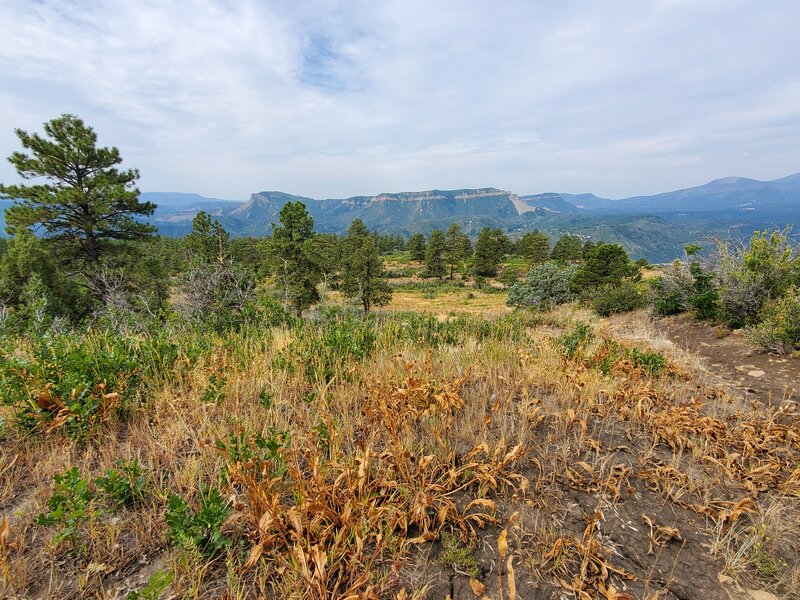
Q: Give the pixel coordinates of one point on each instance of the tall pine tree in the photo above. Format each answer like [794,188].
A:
[363,275]
[293,256]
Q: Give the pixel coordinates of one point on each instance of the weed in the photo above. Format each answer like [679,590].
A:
[460,557]
[124,484]
[69,507]
[573,341]
[200,530]
[215,390]
[156,584]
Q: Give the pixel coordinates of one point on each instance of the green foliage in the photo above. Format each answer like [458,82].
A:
[416,246]
[750,276]
[614,299]
[363,274]
[207,243]
[30,277]
[75,382]
[254,454]
[568,248]
[491,247]
[573,341]
[86,203]
[460,557]
[124,484]
[292,249]
[610,352]
[545,286]
[434,255]
[69,507]
[156,585]
[215,390]
[509,276]
[704,296]
[669,293]
[652,362]
[534,246]
[457,248]
[199,530]
[216,296]
[779,329]
[608,264]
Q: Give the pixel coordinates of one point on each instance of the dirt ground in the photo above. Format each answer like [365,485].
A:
[759,375]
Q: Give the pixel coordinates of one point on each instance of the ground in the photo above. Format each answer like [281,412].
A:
[492,455]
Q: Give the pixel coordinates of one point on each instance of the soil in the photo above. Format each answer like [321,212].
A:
[761,376]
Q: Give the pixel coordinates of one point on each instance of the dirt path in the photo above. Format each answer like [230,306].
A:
[766,377]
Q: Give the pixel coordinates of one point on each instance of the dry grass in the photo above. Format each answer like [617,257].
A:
[562,476]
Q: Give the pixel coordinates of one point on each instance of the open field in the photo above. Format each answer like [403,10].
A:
[405,456]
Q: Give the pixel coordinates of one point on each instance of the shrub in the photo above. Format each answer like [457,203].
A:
[73,382]
[573,341]
[779,330]
[613,299]
[216,296]
[749,276]
[546,285]
[201,530]
[68,508]
[156,584]
[669,294]
[124,484]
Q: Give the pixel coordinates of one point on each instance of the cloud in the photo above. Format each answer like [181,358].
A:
[327,98]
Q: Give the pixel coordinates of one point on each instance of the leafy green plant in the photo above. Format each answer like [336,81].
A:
[199,530]
[69,507]
[653,362]
[460,557]
[254,453]
[624,297]
[572,341]
[546,285]
[156,584]
[779,330]
[215,390]
[124,484]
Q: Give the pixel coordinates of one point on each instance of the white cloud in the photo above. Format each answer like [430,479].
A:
[331,98]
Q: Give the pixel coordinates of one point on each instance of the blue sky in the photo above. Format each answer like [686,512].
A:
[331,99]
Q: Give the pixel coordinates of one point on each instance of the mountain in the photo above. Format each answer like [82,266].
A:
[655,227]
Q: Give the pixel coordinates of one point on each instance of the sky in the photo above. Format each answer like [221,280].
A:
[331,99]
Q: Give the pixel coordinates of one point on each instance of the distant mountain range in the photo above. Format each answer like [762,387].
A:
[655,227]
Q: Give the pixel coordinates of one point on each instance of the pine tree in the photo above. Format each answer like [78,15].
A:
[363,275]
[491,247]
[434,255]
[534,246]
[86,203]
[455,253]
[568,248]
[416,246]
[293,256]
[207,243]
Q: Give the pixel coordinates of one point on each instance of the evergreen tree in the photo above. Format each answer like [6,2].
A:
[568,248]
[534,246]
[416,246]
[588,248]
[86,203]
[455,253]
[434,255]
[490,248]
[30,273]
[208,241]
[608,265]
[292,252]
[363,275]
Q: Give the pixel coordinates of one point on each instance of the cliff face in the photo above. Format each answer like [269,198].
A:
[406,211]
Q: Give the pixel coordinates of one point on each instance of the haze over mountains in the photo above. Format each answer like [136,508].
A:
[655,227]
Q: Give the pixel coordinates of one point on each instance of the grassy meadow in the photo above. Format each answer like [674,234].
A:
[459,451]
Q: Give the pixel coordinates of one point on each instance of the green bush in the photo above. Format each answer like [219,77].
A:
[71,382]
[156,585]
[69,507]
[124,484]
[199,530]
[573,341]
[614,299]
[779,330]
[546,285]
